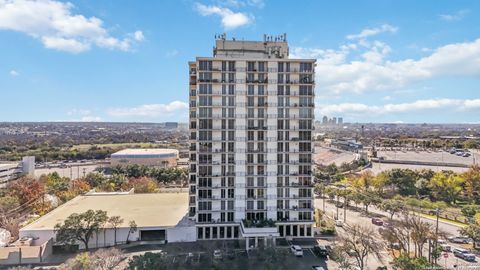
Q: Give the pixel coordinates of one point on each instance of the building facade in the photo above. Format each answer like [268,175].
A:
[251,123]
[155,157]
[13,170]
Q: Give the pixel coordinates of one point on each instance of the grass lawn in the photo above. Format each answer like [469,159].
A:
[443,219]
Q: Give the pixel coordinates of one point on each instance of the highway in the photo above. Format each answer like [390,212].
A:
[360,218]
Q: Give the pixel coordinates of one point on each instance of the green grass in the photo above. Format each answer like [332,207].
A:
[443,219]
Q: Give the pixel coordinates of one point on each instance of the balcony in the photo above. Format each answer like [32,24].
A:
[260,228]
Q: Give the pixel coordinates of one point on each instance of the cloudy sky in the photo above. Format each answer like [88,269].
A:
[126,60]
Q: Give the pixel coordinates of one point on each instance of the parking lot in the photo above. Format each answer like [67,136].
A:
[202,257]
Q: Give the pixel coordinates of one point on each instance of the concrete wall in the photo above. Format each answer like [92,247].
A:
[182,234]
[106,238]
[25,254]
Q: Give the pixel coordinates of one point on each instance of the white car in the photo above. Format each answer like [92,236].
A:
[296,250]
[217,254]
[338,223]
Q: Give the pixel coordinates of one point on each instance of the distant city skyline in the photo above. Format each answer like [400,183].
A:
[121,61]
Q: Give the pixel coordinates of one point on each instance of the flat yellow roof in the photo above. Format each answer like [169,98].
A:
[147,210]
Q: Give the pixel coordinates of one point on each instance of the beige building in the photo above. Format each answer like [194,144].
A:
[163,158]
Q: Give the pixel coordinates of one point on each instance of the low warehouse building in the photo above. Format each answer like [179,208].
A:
[159,217]
[156,157]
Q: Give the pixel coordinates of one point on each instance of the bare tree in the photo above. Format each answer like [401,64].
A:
[102,259]
[421,233]
[360,242]
[114,222]
[107,259]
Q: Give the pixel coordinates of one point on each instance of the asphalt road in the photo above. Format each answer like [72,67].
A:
[360,218]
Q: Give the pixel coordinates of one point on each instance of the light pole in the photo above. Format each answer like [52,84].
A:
[436,234]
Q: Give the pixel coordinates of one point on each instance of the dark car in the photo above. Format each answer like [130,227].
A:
[320,251]
[377,221]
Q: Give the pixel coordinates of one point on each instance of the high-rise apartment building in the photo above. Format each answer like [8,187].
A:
[251,123]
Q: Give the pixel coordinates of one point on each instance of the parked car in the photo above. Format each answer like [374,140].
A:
[338,223]
[441,242]
[459,239]
[446,247]
[464,254]
[316,267]
[395,246]
[377,221]
[466,154]
[320,251]
[296,250]
[217,254]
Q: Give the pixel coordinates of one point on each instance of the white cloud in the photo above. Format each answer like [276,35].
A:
[83,112]
[242,3]
[138,36]
[337,73]
[53,23]
[457,16]
[171,53]
[91,119]
[230,19]
[368,32]
[425,104]
[14,73]
[150,110]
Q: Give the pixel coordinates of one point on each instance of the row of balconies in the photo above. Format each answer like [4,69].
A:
[245,116]
[243,93]
[251,81]
[257,151]
[251,174]
[245,104]
[256,70]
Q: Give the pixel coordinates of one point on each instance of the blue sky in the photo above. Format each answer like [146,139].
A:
[126,60]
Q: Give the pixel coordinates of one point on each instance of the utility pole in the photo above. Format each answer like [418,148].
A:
[337,205]
[436,236]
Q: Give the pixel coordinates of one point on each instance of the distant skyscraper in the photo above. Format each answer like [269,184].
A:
[334,120]
[251,123]
[325,120]
[340,120]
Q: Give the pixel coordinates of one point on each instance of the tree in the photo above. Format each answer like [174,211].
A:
[114,222]
[320,190]
[56,184]
[132,228]
[102,259]
[404,262]
[149,261]
[26,190]
[446,186]
[80,227]
[142,185]
[470,210]
[470,144]
[472,183]
[420,233]
[360,241]
[402,181]
[79,186]
[368,198]
[392,206]
[95,179]
[471,231]
[8,203]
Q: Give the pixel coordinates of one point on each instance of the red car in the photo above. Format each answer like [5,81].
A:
[377,221]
